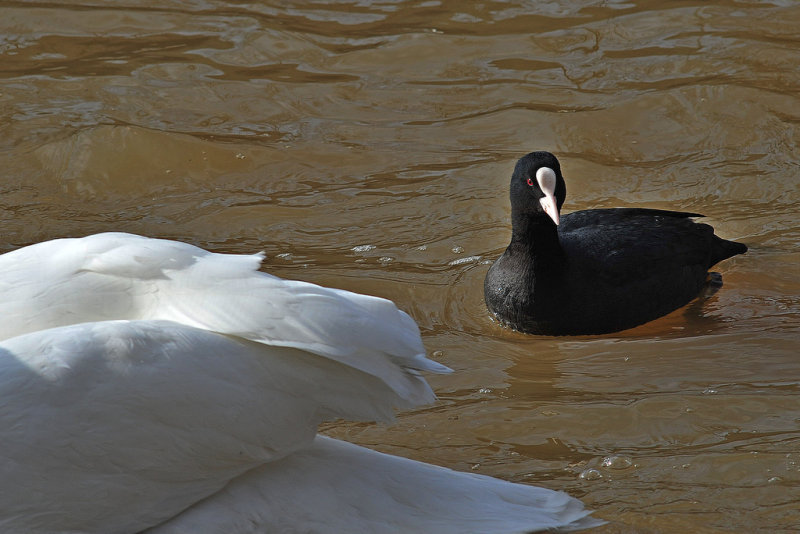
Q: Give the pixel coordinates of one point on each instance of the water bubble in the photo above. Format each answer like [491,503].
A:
[485,390]
[284,256]
[422,247]
[363,248]
[438,353]
[461,261]
[792,462]
[617,462]
[590,474]
[385,260]
[457,249]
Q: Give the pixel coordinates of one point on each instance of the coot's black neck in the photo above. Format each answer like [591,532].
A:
[536,234]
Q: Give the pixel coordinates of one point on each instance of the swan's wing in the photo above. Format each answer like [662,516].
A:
[116,426]
[334,487]
[124,276]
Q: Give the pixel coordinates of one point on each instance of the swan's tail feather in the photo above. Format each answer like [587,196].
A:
[335,487]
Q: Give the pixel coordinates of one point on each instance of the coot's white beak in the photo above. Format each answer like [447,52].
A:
[546,178]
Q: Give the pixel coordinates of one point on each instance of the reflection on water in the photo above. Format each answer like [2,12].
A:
[369,145]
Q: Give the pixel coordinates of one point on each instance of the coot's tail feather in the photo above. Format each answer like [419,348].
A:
[722,249]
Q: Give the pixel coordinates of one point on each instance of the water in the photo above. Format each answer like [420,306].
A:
[368,146]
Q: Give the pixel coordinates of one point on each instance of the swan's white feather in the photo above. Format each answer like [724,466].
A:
[136,420]
[125,276]
[151,384]
[335,487]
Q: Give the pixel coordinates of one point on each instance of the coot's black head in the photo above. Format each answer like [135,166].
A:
[537,187]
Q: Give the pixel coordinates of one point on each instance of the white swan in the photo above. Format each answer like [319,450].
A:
[151,385]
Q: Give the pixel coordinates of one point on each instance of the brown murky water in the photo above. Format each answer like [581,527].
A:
[368,145]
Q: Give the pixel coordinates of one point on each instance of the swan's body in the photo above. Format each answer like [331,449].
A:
[149,384]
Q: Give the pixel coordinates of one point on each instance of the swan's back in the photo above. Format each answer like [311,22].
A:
[124,276]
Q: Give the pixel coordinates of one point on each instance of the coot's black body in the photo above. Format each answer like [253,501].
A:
[598,271]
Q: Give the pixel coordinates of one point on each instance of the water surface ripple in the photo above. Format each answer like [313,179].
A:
[368,145]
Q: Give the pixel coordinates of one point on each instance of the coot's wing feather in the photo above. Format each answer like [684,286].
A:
[593,216]
[618,245]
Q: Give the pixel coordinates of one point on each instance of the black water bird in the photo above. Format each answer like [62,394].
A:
[594,271]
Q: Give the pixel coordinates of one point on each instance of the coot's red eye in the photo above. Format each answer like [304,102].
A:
[530,182]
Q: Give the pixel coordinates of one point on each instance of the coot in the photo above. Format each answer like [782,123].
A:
[594,271]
